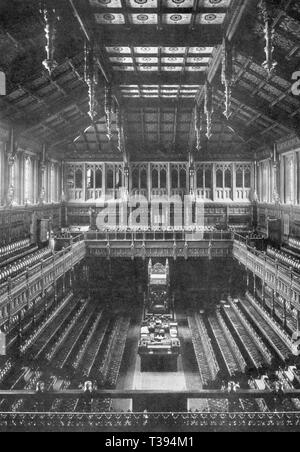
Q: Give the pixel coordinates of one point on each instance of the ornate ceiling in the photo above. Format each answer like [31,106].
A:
[156,55]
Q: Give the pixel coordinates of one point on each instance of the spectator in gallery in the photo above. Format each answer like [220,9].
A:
[233,386]
[223,386]
[39,404]
[88,390]
[145,418]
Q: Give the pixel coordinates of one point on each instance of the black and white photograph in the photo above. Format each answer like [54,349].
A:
[150,218]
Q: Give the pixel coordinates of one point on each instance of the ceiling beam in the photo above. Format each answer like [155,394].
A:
[173,36]
[250,137]
[143,126]
[164,78]
[262,107]
[136,103]
[239,10]
[255,53]
[158,10]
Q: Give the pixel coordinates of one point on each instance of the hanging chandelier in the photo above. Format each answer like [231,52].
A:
[208,108]
[108,106]
[50,19]
[90,76]
[227,76]
[119,128]
[198,126]
[269,64]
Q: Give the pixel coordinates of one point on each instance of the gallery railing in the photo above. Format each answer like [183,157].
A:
[110,422]
[277,276]
[21,290]
[171,236]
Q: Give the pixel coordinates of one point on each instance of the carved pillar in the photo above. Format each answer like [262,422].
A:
[298,321]
[255,182]
[276,196]
[273,302]
[63,181]
[282,179]
[234,194]
[192,175]
[20,331]
[149,182]
[169,179]
[42,193]
[214,182]
[284,314]
[104,181]
[263,293]
[126,179]
[247,279]
[33,314]
[11,188]
[84,182]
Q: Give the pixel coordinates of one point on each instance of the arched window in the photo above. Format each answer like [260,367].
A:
[228,182]
[53,183]
[90,178]
[119,178]
[239,178]
[174,178]
[135,178]
[208,181]
[247,178]
[110,179]
[154,178]
[219,178]
[289,180]
[28,180]
[182,178]
[71,177]
[163,179]
[98,178]
[144,183]
[200,178]
[78,178]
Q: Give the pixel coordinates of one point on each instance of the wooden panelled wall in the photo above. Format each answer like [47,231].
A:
[19,223]
[278,191]
[30,187]
[27,175]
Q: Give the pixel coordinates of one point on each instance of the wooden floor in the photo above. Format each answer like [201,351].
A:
[131,377]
